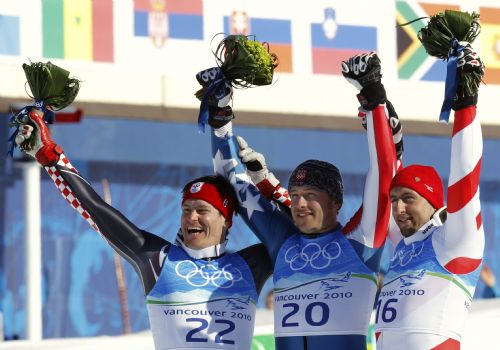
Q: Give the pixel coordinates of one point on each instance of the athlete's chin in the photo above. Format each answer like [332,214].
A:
[307,227]
[195,246]
[195,243]
[407,231]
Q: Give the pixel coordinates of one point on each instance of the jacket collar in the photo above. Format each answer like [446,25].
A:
[429,227]
[214,251]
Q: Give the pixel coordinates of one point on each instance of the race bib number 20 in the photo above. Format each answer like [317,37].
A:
[315,309]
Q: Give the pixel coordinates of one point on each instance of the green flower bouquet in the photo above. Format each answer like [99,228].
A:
[444,37]
[51,88]
[242,62]
[246,62]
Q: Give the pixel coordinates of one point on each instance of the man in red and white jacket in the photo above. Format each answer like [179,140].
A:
[428,289]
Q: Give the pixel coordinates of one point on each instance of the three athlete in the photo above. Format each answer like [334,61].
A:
[194,286]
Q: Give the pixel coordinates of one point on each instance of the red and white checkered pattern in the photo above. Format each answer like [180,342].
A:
[63,161]
[66,190]
[281,194]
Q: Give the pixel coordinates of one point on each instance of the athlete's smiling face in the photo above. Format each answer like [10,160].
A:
[202,225]
[313,210]
[410,210]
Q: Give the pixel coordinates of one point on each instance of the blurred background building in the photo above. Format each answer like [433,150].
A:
[138,59]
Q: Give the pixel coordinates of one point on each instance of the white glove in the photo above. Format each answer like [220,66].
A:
[24,133]
[255,164]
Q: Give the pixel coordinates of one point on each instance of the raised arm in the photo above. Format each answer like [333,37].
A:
[380,145]
[460,246]
[269,224]
[268,185]
[140,248]
[368,227]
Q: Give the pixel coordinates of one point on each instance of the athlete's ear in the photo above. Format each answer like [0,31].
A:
[336,206]
[225,230]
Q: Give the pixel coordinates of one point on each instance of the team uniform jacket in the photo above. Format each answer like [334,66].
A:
[196,299]
[430,283]
[325,284]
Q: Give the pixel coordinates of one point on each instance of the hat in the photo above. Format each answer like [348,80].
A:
[319,174]
[422,179]
[211,194]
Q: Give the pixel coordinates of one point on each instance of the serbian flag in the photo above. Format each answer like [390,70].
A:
[163,19]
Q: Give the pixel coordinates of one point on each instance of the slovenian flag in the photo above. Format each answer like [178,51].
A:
[332,43]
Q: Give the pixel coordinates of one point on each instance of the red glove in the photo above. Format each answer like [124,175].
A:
[44,149]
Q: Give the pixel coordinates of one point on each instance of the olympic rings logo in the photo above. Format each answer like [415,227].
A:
[312,253]
[202,276]
[405,256]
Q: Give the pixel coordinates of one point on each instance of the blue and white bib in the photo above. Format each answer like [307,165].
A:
[321,287]
[419,295]
[202,304]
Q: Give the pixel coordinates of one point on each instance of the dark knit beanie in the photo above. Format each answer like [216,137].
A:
[319,174]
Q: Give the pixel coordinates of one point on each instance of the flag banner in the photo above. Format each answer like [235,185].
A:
[413,61]
[333,42]
[9,34]
[78,30]
[173,19]
[490,43]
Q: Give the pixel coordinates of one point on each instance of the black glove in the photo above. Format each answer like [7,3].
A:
[468,63]
[219,116]
[221,96]
[363,71]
